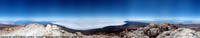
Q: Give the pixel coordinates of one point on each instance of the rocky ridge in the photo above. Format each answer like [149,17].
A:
[150,31]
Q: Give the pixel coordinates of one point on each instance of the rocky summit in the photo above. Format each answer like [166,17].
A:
[163,30]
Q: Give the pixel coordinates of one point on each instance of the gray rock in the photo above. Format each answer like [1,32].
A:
[179,33]
[136,34]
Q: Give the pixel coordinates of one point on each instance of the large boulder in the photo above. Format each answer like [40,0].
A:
[179,33]
[154,30]
[150,31]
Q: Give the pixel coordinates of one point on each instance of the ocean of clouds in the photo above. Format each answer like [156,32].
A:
[84,24]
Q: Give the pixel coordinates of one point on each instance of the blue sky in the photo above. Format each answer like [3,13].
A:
[99,8]
[62,8]
[99,13]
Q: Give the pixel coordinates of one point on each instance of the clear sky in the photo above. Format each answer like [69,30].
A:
[99,8]
[87,14]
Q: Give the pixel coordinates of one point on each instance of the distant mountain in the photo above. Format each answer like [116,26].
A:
[135,24]
[5,26]
[192,26]
[170,21]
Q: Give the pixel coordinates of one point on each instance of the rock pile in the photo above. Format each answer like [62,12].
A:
[154,30]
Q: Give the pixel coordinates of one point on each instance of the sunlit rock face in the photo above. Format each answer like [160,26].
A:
[179,33]
[38,30]
[45,30]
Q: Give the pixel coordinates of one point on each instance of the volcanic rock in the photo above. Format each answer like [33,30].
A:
[135,34]
[179,33]
[151,31]
[38,30]
[154,30]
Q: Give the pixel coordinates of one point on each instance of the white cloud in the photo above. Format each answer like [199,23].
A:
[84,24]
[90,23]
[81,24]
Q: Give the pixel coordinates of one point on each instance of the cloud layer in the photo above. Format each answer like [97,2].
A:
[83,24]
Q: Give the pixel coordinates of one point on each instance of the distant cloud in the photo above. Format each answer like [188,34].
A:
[81,24]
[196,21]
[89,23]
[7,22]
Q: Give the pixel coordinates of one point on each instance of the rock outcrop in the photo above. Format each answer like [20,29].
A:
[47,31]
[135,34]
[38,30]
[153,30]
[179,33]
